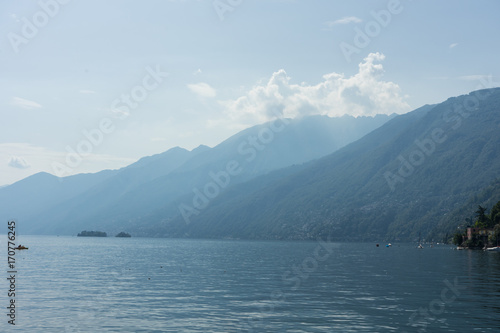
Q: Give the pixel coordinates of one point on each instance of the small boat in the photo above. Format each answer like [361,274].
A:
[496,249]
[419,242]
[20,247]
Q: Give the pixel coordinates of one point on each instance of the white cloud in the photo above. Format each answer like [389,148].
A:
[453,45]
[363,94]
[18,163]
[202,89]
[198,72]
[24,103]
[344,20]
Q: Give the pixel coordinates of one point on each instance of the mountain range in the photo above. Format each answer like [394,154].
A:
[116,199]
[397,178]
[419,174]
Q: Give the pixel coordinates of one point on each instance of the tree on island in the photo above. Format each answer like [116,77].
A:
[86,233]
[123,234]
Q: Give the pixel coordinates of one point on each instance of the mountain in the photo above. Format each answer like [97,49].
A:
[27,199]
[406,178]
[34,193]
[117,200]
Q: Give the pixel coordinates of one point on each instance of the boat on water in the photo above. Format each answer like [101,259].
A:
[20,247]
[419,242]
[496,249]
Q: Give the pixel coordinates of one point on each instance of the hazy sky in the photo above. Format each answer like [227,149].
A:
[87,85]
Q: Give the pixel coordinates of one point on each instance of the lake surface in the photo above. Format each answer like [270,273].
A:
[72,284]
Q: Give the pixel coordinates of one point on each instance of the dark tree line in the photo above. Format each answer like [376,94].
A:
[483,221]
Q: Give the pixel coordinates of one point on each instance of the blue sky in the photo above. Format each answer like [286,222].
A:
[87,85]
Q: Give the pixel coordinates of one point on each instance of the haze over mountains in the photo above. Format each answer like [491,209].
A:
[114,200]
[410,176]
[347,178]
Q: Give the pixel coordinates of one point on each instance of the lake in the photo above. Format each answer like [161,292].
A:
[79,284]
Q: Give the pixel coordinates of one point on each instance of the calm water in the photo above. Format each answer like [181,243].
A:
[70,284]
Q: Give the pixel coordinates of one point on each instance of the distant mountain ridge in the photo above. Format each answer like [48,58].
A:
[415,174]
[401,180]
[114,198]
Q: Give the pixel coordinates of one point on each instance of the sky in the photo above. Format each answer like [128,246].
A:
[87,85]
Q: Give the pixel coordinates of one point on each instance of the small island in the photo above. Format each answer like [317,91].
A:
[86,233]
[123,234]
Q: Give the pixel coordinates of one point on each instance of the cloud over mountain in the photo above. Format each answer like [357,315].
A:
[363,94]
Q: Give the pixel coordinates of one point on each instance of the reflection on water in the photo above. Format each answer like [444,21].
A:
[70,284]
